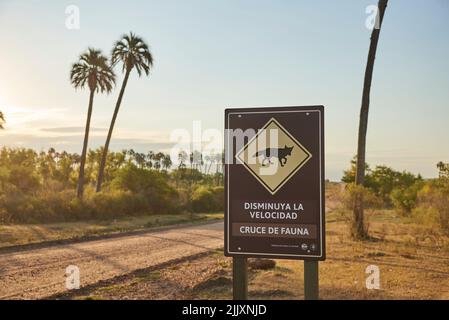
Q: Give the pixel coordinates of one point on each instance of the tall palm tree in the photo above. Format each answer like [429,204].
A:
[94,71]
[358,228]
[2,120]
[133,53]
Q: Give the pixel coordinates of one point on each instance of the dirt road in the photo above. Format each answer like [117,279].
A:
[41,272]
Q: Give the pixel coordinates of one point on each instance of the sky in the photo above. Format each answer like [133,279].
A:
[210,55]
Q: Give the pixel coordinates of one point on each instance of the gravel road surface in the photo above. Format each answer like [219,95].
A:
[41,272]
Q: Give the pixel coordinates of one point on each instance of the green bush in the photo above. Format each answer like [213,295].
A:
[151,184]
[404,199]
[208,199]
[433,203]
[45,207]
[383,180]
[41,187]
[219,198]
[370,199]
[65,206]
[118,204]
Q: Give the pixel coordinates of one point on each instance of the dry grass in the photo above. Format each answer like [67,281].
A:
[412,266]
[413,261]
[11,235]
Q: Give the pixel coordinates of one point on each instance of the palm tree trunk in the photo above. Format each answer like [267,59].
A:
[111,129]
[358,229]
[86,140]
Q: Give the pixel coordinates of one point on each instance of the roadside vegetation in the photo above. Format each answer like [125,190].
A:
[41,187]
[424,201]
[411,256]
[51,186]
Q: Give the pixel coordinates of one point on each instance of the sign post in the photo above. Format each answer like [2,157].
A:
[240,278]
[311,282]
[274,181]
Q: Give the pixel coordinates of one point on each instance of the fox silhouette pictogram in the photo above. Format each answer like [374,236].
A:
[270,153]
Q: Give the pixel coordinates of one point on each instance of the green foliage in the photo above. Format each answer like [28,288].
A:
[424,201]
[405,198]
[383,180]
[370,199]
[149,183]
[47,207]
[39,187]
[64,206]
[94,71]
[443,170]
[433,203]
[208,199]
[349,175]
[18,171]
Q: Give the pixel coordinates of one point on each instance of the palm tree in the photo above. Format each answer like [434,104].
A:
[132,52]
[92,70]
[2,120]
[442,168]
[166,162]
[358,229]
[150,159]
[182,159]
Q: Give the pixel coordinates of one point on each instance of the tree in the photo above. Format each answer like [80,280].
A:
[92,70]
[358,228]
[158,160]
[349,175]
[132,52]
[443,169]
[166,162]
[150,159]
[2,120]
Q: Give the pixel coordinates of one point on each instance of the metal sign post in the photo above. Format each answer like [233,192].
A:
[240,278]
[311,283]
[274,189]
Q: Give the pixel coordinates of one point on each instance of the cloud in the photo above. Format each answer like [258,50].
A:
[73,143]
[72,129]
[28,117]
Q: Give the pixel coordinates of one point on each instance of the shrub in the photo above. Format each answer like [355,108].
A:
[151,184]
[219,198]
[117,203]
[45,207]
[433,203]
[405,198]
[370,199]
[40,187]
[22,178]
[383,180]
[207,199]
[65,206]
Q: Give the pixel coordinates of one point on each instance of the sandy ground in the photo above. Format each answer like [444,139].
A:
[40,273]
[188,263]
[408,270]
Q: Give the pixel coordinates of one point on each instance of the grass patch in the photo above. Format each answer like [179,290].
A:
[152,276]
[22,234]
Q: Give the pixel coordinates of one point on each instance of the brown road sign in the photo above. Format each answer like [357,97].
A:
[274,178]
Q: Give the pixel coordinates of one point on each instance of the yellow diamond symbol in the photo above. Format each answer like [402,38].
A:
[273,156]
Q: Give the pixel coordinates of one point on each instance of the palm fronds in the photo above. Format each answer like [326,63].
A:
[94,70]
[133,52]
